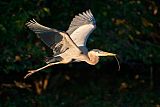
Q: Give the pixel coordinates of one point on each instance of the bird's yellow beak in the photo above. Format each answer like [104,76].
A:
[106,54]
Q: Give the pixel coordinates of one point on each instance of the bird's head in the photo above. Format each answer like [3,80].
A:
[98,52]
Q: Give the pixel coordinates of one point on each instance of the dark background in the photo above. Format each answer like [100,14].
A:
[129,28]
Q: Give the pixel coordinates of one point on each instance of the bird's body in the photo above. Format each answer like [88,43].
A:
[69,46]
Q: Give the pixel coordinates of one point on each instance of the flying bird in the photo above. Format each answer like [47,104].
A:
[69,46]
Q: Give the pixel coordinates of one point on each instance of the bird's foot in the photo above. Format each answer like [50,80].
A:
[30,72]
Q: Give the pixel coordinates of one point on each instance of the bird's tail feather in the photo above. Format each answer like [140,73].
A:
[52,59]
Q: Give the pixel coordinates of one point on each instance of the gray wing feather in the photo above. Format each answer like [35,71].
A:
[83,16]
[53,38]
[47,35]
[87,16]
[80,20]
[76,29]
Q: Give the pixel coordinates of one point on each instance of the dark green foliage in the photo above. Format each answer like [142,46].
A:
[89,88]
[129,28]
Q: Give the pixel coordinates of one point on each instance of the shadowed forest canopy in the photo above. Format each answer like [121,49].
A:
[129,28]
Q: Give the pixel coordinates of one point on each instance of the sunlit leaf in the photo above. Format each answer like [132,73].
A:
[119,21]
[146,22]
[46,10]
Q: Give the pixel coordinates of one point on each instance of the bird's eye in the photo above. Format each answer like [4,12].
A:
[99,51]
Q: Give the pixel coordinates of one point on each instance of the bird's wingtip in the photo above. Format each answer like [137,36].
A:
[30,22]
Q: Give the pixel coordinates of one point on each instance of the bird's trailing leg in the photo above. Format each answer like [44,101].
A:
[30,72]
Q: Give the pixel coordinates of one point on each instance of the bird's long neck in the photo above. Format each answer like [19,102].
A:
[93,59]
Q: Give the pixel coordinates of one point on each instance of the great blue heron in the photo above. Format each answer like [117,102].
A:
[69,46]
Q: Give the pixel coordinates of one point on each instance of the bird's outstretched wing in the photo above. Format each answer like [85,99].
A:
[56,40]
[80,28]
